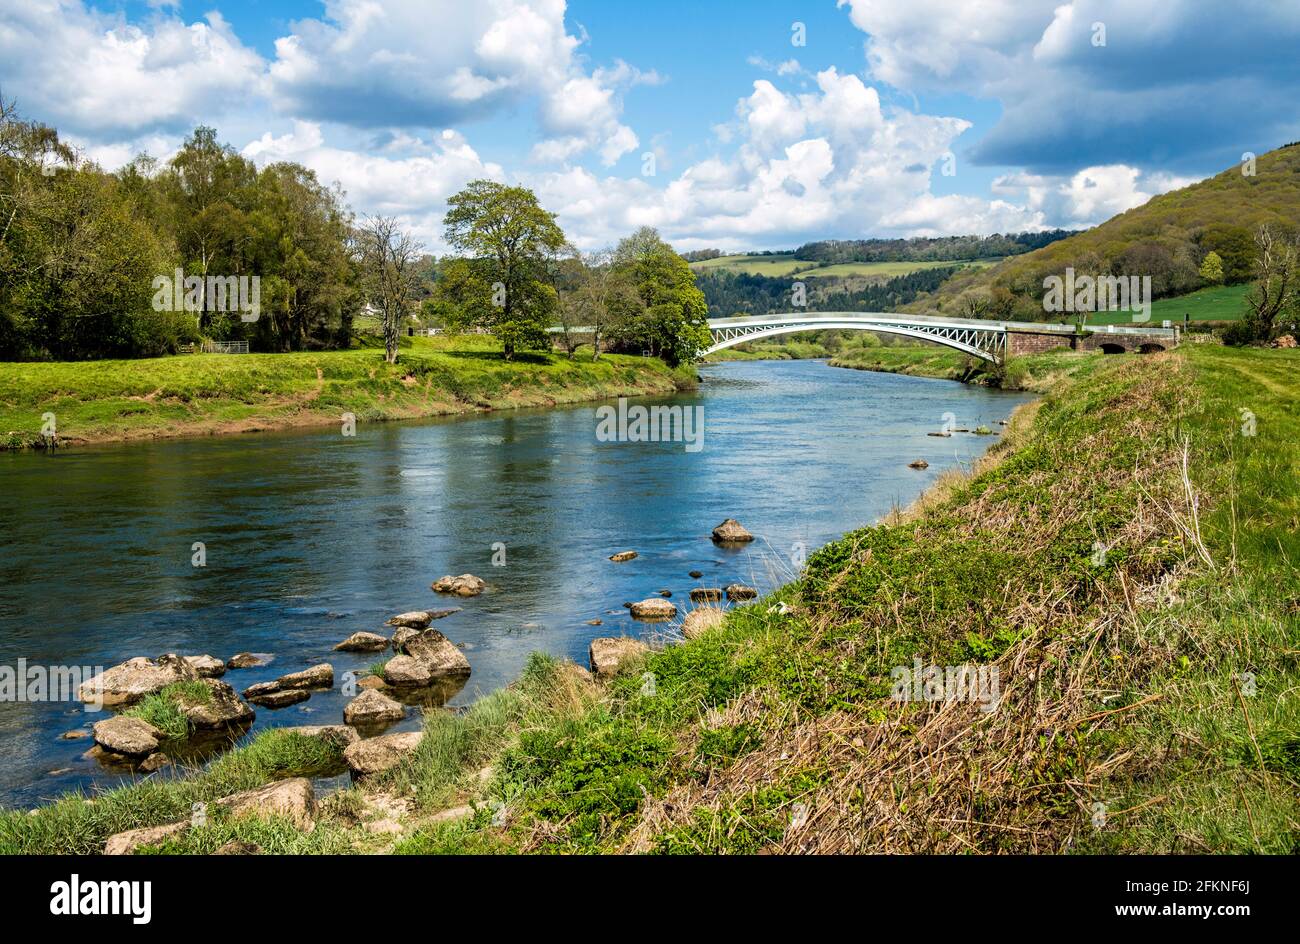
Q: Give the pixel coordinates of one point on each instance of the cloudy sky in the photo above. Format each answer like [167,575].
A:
[738,125]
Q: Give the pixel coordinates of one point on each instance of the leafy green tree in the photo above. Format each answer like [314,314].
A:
[1212,268]
[665,313]
[508,239]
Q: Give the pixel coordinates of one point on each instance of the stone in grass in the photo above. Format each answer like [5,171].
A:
[371,708]
[292,799]
[609,654]
[155,761]
[653,608]
[731,531]
[623,556]
[377,754]
[701,619]
[363,642]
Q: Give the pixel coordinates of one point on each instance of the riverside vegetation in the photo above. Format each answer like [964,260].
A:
[1124,557]
[108,400]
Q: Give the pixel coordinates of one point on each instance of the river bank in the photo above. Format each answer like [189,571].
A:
[110,401]
[1088,559]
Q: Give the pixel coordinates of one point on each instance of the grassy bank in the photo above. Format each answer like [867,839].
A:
[1124,558]
[105,401]
[1036,372]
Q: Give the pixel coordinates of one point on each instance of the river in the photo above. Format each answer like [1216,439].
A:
[311,536]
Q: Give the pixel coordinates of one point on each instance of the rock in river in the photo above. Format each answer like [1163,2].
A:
[373,708]
[290,696]
[419,619]
[918,464]
[731,531]
[222,707]
[363,642]
[608,654]
[207,666]
[706,595]
[133,737]
[438,652]
[622,556]
[466,585]
[653,608]
[376,754]
[246,660]
[738,591]
[318,676]
[134,679]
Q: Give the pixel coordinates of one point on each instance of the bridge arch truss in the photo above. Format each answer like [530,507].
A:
[986,340]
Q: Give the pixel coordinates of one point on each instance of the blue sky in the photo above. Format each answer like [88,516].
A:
[705,120]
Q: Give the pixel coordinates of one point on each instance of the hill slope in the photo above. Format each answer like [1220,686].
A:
[1165,238]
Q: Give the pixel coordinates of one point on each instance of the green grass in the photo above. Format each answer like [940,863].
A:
[80,824]
[163,709]
[1220,303]
[97,401]
[785,264]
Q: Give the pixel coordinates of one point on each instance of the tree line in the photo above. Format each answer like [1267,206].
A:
[83,252]
[739,293]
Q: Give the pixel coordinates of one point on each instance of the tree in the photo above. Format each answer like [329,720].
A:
[665,313]
[509,239]
[1212,268]
[1275,289]
[389,257]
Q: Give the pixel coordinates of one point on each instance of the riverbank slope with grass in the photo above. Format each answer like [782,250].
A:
[198,394]
[1117,575]
[1034,372]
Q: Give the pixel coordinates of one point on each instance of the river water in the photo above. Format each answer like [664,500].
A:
[311,536]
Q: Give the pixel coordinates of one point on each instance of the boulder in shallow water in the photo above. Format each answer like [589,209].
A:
[318,676]
[337,735]
[133,679]
[373,755]
[247,660]
[466,585]
[284,699]
[918,464]
[122,734]
[731,531]
[363,642]
[706,595]
[437,652]
[220,709]
[622,556]
[207,666]
[155,761]
[738,591]
[653,608]
[608,655]
[371,708]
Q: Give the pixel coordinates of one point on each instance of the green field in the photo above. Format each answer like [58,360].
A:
[785,264]
[111,400]
[1220,303]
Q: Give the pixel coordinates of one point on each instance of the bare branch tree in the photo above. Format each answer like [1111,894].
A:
[389,257]
[1274,290]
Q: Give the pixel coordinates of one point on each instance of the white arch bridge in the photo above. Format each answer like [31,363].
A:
[987,340]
